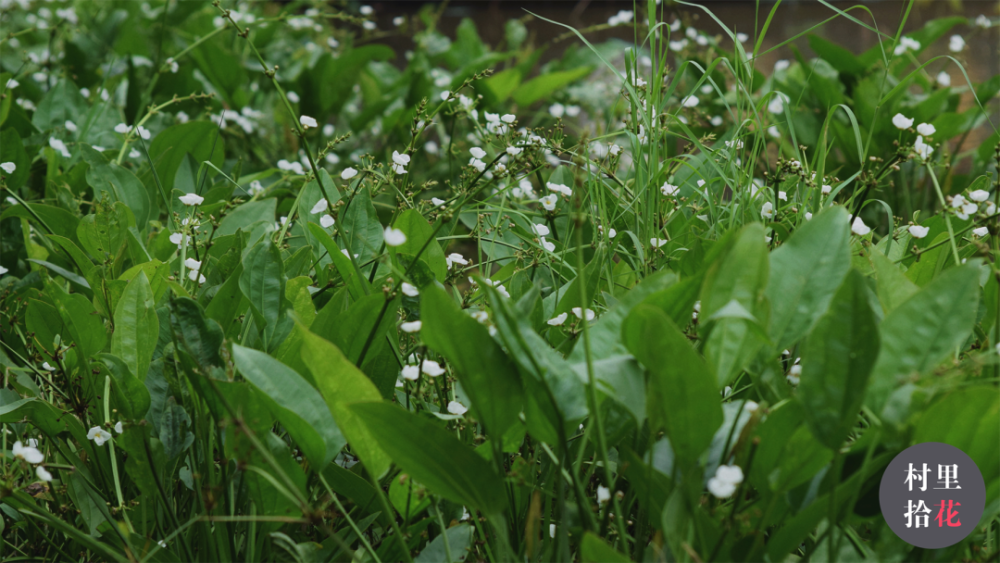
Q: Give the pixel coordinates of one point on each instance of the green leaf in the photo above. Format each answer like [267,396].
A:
[201,337]
[802,458]
[246,215]
[132,397]
[593,549]
[805,273]
[434,457]
[297,405]
[836,362]
[969,419]
[486,373]
[103,232]
[45,322]
[174,429]
[61,104]
[682,397]
[839,57]
[543,86]
[136,326]
[893,286]
[13,151]
[78,314]
[55,220]
[356,283]
[925,330]
[263,284]
[201,139]
[459,539]
[418,232]
[501,85]
[342,384]
[360,228]
[121,185]
[227,301]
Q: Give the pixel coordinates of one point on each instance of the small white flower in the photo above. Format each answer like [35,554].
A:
[549,202]
[549,246]
[983,22]
[191,199]
[689,102]
[901,121]
[514,151]
[552,530]
[669,189]
[502,290]
[956,43]
[916,231]
[400,159]
[43,474]
[144,133]
[559,188]
[8,167]
[28,453]
[859,228]
[134,154]
[328,130]
[906,44]
[742,37]
[776,105]
[411,373]
[725,481]
[176,238]
[394,237]
[118,427]
[366,10]
[750,406]
[557,320]
[98,435]
[410,290]
[922,149]
[326,221]
[926,129]
[431,368]
[477,152]
[981,231]
[580,313]
[47,367]
[292,97]
[60,146]
[398,21]
[782,196]
[658,242]
[320,206]
[716,120]
[979,195]
[826,189]
[611,233]
[480,316]
[454,407]
[782,64]
[193,275]
[773,132]
[348,173]
[944,79]
[808,216]
[11,84]
[677,46]
[192,264]
[557,110]
[411,327]
[162,544]
[540,230]
[307,121]
[603,494]
[70,126]
[438,202]
[121,128]
[455,258]
[508,118]
[767,210]
[477,164]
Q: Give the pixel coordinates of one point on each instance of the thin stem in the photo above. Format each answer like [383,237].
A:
[111,450]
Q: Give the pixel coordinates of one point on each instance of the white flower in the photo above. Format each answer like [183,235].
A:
[70,126]
[398,21]
[826,189]
[454,407]
[307,121]
[348,173]
[808,216]
[782,196]
[776,105]
[603,494]
[540,230]
[658,242]
[134,154]
[742,37]
[677,46]
[320,206]
[668,189]
[8,167]
[11,84]
[983,22]
[191,199]
[944,79]
[480,316]
[431,368]
[557,110]
[859,228]
[558,319]
[623,16]
[725,481]
[60,146]
[398,168]
[400,159]
[901,121]
[782,64]
[767,210]
[560,188]
[394,237]
[192,264]
[734,144]
[292,97]
[956,43]
[432,147]
[612,233]
[926,129]
[182,117]
[438,202]
[411,373]
[580,313]
[773,132]
[3,270]
[411,327]
[922,149]
[981,231]
[193,275]
[410,290]
[477,164]
[98,435]
[508,118]
[916,231]
[979,195]
[615,150]
[455,258]
[43,474]
[176,238]
[502,290]
[689,102]
[47,367]
[906,44]
[549,202]
[118,427]
[477,152]
[28,453]
[121,128]
[326,221]
[514,151]
[549,246]
[144,133]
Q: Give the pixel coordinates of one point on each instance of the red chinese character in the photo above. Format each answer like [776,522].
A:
[944,518]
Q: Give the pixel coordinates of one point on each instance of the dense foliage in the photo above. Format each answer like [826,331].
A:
[272,290]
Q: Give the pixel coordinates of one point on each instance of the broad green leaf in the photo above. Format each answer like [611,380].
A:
[175,433]
[893,286]
[969,419]
[60,104]
[593,549]
[741,275]
[802,458]
[359,226]
[246,215]
[682,397]
[924,330]
[840,58]
[544,85]
[44,321]
[78,314]
[201,139]
[227,301]
[806,271]
[418,232]
[201,337]
[121,185]
[297,405]
[486,373]
[136,326]
[459,539]
[103,231]
[132,398]
[13,151]
[356,283]
[501,85]
[342,384]
[263,284]
[836,361]
[54,220]
[434,457]
[356,328]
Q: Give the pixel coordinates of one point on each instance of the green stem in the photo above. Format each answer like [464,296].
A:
[947,218]
[111,449]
